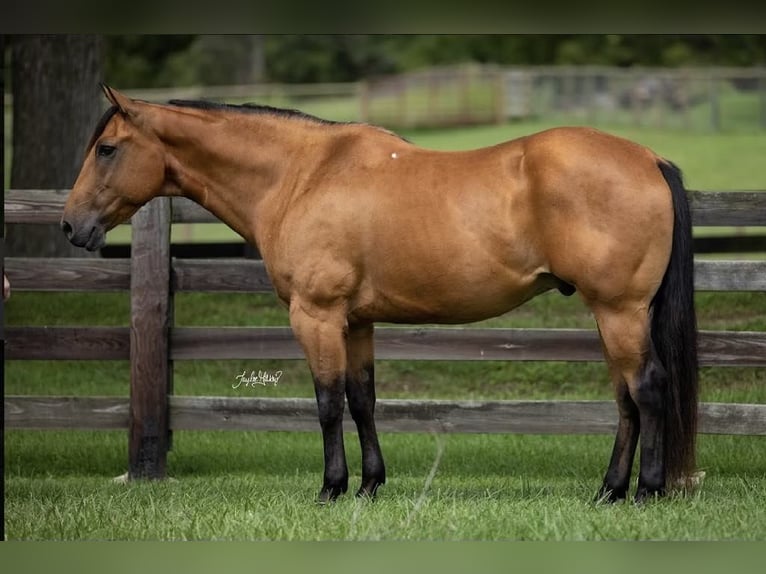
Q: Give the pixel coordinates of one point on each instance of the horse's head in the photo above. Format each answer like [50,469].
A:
[124,168]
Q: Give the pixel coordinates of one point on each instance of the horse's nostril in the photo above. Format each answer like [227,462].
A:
[67,229]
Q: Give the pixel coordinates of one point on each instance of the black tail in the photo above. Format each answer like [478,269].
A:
[674,334]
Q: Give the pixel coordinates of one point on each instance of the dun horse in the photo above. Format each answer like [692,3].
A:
[357,225]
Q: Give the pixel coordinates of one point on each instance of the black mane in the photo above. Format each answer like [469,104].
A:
[251,109]
[242,108]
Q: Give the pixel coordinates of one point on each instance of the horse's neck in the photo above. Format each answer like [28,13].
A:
[234,168]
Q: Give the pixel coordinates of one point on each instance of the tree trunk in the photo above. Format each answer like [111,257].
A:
[56,104]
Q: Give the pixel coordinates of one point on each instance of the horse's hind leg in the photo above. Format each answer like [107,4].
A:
[640,383]
[650,393]
[617,478]
[360,390]
[322,332]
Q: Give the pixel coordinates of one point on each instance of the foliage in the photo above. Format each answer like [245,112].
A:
[149,61]
[142,61]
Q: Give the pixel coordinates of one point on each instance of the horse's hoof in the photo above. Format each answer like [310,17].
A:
[330,494]
[645,494]
[368,491]
[608,495]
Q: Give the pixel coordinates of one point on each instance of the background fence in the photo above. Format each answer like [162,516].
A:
[689,98]
[704,98]
[152,342]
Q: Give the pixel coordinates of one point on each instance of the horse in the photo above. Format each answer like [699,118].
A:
[357,225]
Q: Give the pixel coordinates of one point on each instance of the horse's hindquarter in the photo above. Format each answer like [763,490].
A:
[603,210]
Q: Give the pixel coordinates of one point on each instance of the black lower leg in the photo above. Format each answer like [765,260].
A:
[650,398]
[330,403]
[617,478]
[360,390]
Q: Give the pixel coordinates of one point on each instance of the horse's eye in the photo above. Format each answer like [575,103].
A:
[104,150]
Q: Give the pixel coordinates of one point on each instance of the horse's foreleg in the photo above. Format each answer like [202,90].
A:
[360,390]
[322,334]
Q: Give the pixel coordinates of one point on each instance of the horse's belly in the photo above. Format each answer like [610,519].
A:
[444,298]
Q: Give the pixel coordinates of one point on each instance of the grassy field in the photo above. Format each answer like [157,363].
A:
[260,486]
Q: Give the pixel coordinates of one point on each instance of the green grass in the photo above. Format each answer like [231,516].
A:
[261,486]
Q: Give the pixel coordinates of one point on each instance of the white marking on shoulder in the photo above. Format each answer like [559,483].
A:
[393,155]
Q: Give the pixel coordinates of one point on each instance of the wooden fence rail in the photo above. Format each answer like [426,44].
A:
[151,343]
[709,208]
[249,275]
[717,348]
[392,415]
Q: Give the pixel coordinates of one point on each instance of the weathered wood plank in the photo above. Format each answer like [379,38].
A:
[34,206]
[714,275]
[46,206]
[732,348]
[725,208]
[394,343]
[52,412]
[233,343]
[68,274]
[397,415]
[187,211]
[732,418]
[150,366]
[226,275]
[392,415]
[249,275]
[720,348]
[709,208]
[487,344]
[67,343]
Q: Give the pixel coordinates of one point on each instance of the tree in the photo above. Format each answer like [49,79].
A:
[56,103]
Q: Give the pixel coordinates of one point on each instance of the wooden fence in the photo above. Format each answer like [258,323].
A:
[708,98]
[703,98]
[152,342]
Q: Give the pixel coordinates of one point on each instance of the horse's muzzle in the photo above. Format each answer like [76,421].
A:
[91,237]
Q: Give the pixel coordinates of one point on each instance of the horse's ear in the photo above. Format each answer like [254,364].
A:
[123,103]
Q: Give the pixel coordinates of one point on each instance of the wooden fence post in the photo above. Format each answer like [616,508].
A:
[715,101]
[363,93]
[151,316]
[762,92]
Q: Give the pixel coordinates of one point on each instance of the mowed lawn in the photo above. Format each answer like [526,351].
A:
[261,485]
